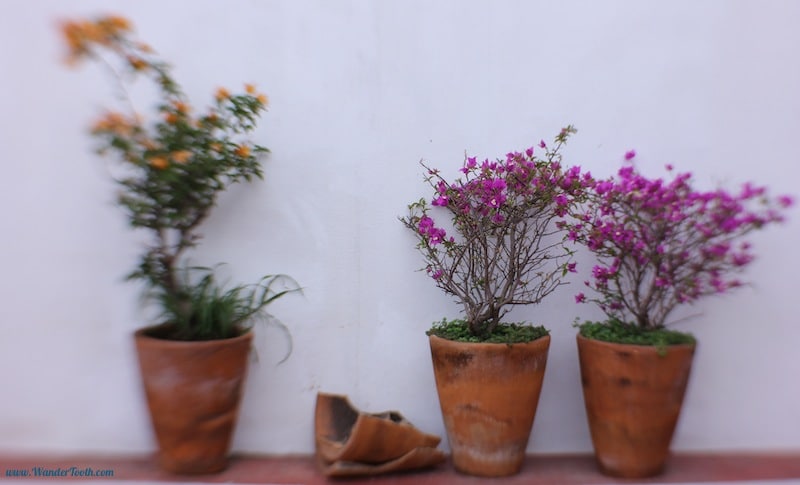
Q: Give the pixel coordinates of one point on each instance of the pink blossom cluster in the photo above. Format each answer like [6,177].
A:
[505,247]
[492,191]
[434,235]
[661,243]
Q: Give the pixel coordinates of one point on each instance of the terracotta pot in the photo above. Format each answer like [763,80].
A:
[633,398]
[343,433]
[488,394]
[193,391]
[352,443]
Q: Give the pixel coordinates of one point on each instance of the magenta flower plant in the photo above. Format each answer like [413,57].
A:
[489,238]
[663,243]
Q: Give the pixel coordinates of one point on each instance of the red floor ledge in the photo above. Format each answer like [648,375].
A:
[293,469]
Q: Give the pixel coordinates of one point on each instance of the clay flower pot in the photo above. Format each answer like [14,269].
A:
[488,394]
[193,391]
[352,443]
[633,396]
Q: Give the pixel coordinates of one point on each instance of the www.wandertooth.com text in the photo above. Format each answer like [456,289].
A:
[73,471]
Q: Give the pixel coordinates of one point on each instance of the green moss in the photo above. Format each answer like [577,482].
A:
[618,332]
[505,333]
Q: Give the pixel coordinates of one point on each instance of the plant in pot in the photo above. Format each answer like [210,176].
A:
[659,244]
[505,250]
[172,168]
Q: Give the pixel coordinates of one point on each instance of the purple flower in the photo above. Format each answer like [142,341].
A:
[600,273]
[498,184]
[440,201]
[741,259]
[603,187]
[662,238]
[436,236]
[626,174]
[469,164]
[748,191]
[658,242]
[425,224]
[719,250]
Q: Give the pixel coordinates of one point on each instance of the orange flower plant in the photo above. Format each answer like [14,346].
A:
[178,164]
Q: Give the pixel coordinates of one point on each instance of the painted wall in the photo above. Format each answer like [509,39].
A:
[360,92]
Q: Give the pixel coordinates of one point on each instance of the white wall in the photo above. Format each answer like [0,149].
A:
[361,90]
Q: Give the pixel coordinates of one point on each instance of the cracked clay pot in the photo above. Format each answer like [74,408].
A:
[488,394]
[193,392]
[633,396]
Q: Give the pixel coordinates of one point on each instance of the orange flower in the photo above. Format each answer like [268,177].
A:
[113,122]
[171,118]
[137,63]
[159,163]
[100,125]
[263,99]
[182,156]
[100,32]
[72,34]
[117,23]
[222,94]
[242,151]
[91,31]
[250,89]
[180,107]
[80,35]
[75,38]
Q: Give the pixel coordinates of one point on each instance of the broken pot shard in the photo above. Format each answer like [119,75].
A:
[416,459]
[351,442]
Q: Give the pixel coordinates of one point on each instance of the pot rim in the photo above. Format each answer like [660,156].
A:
[539,341]
[140,334]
